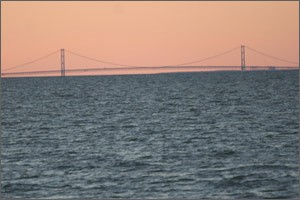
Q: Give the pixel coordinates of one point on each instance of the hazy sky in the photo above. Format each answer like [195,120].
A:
[147,33]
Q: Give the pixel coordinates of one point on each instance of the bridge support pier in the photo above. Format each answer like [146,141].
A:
[62,62]
[243,60]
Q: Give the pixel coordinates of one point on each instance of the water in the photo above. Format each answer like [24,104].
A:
[186,135]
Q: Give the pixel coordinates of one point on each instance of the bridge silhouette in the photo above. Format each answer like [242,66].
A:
[62,70]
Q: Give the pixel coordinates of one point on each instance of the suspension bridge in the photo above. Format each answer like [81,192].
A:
[62,70]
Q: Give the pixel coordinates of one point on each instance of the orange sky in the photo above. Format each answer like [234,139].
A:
[147,33]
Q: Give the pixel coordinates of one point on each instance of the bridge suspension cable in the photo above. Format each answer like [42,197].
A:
[276,58]
[126,66]
[33,61]
[134,66]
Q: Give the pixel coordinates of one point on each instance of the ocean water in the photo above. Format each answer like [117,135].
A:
[182,135]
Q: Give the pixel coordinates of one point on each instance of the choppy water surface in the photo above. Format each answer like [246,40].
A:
[185,135]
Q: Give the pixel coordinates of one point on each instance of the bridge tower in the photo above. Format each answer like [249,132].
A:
[243,60]
[62,62]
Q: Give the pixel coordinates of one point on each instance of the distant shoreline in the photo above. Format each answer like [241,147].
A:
[155,73]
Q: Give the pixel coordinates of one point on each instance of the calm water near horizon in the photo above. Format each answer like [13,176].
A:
[182,135]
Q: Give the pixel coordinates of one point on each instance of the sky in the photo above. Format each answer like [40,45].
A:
[147,33]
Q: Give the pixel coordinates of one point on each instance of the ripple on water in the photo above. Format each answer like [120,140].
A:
[201,135]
